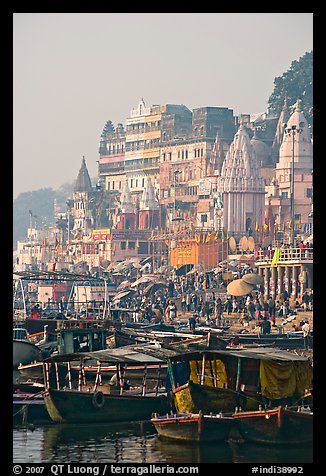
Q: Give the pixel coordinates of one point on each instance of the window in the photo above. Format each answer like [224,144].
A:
[309,193]
[285,195]
[123,245]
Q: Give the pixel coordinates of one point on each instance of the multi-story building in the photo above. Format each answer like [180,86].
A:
[190,166]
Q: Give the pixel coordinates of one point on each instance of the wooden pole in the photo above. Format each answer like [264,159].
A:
[202,370]
[57,374]
[69,376]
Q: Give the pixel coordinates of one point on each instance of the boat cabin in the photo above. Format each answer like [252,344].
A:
[19,333]
[81,337]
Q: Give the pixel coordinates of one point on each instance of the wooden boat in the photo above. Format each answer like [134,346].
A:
[97,401]
[193,427]
[281,425]
[71,337]
[282,341]
[222,380]
[33,372]
[29,408]
[24,351]
[96,407]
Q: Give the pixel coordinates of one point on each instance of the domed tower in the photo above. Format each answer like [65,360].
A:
[127,214]
[242,186]
[148,217]
[295,160]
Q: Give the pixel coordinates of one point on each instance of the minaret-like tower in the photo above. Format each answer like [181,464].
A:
[217,157]
[82,191]
[279,131]
[127,214]
[148,217]
[242,186]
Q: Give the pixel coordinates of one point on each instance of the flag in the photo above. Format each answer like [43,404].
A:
[299,224]
[276,256]
[290,224]
[257,226]
[137,243]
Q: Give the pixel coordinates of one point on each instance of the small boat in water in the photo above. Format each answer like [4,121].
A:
[193,427]
[24,351]
[29,408]
[281,425]
[246,378]
[93,400]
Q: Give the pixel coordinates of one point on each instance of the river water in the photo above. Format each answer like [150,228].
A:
[136,442]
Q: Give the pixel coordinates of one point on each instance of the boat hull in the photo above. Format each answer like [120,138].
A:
[25,352]
[91,407]
[276,426]
[193,398]
[29,408]
[195,428]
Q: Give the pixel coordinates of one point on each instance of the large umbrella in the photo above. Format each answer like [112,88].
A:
[238,287]
[123,285]
[253,278]
[123,294]
[142,280]
[152,287]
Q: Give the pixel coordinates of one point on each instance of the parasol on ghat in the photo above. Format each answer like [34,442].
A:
[239,287]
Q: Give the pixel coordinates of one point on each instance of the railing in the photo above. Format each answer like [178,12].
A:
[286,255]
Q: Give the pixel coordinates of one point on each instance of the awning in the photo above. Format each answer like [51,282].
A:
[123,294]
[143,280]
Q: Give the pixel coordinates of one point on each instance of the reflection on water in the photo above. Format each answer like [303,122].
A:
[136,442]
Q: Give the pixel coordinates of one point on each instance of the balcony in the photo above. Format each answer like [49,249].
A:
[288,256]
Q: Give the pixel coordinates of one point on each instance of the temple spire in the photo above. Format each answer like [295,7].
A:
[83,182]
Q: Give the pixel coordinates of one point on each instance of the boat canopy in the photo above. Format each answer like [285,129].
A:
[138,354]
[257,353]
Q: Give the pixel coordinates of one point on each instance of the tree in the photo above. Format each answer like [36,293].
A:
[296,83]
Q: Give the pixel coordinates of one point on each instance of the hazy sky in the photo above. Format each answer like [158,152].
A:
[74,71]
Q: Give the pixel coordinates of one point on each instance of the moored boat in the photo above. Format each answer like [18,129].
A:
[193,427]
[243,378]
[29,408]
[281,425]
[24,351]
[98,401]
